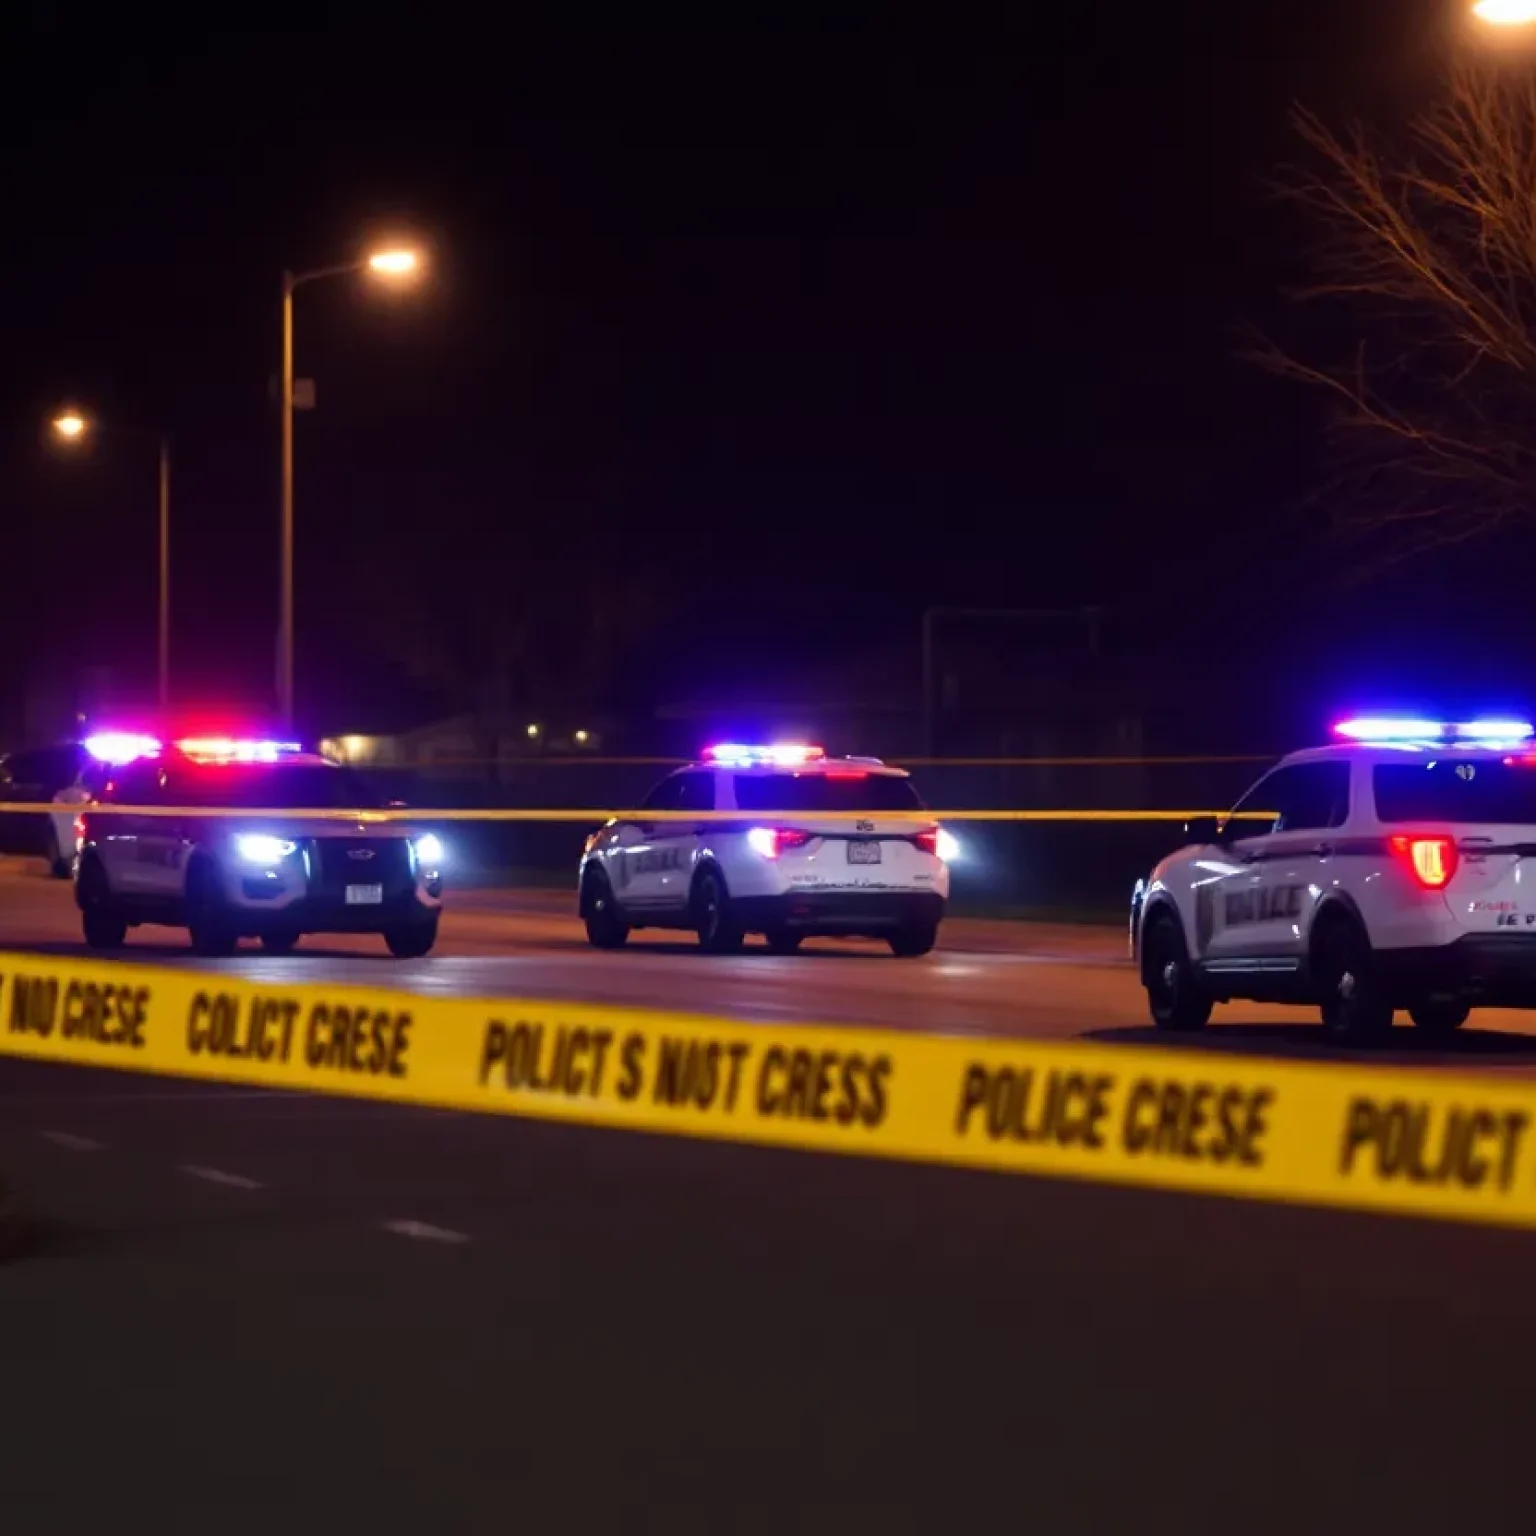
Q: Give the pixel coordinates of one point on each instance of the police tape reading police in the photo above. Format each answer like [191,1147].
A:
[1197,1121]
[1282,1130]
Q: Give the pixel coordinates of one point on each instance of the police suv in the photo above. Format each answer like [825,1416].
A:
[777,868]
[1395,869]
[273,874]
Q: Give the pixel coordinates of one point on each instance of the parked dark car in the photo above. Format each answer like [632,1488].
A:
[33,777]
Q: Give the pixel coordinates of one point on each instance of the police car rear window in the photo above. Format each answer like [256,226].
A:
[1482,793]
[284,789]
[825,792]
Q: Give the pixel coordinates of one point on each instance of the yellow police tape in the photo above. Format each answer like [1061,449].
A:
[527,813]
[1373,1140]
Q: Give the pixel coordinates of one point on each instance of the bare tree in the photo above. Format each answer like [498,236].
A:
[1419,321]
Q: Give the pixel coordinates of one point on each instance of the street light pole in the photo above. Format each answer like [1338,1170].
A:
[389,263]
[285,619]
[163,657]
[72,427]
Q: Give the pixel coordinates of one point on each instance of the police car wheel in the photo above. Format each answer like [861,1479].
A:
[1177,1001]
[606,928]
[1439,1018]
[1355,1010]
[719,932]
[914,940]
[783,941]
[104,927]
[209,928]
[412,941]
[281,941]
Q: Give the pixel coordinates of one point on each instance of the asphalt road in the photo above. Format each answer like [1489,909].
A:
[1032,980]
[253,1311]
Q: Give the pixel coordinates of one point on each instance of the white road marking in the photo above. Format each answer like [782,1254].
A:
[218,1176]
[424,1232]
[73,1142]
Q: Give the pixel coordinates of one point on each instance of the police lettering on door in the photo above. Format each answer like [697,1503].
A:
[1262,904]
[655,860]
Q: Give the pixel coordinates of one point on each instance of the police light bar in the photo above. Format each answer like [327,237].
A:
[120,746]
[225,749]
[732,754]
[1386,729]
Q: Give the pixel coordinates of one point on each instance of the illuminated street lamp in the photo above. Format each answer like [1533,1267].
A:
[392,263]
[1505,13]
[72,428]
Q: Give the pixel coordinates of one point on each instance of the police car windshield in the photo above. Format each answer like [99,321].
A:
[834,791]
[1478,792]
[259,786]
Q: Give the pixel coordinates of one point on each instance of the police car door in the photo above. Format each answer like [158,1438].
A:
[637,861]
[119,838]
[1259,911]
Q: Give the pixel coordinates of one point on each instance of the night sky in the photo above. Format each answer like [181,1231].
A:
[790,329]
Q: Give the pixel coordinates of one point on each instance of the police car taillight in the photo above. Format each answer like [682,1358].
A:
[770,842]
[1432,860]
[928,840]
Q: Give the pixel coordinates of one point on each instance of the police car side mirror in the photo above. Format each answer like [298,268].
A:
[1203,829]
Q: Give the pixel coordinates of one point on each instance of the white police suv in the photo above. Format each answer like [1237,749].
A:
[778,866]
[1393,870]
[272,874]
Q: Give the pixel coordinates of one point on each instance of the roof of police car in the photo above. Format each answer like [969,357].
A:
[1400,751]
[843,765]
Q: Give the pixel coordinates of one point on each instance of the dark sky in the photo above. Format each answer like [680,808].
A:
[801,326]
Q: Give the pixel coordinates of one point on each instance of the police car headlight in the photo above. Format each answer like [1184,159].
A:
[429,849]
[947,846]
[259,848]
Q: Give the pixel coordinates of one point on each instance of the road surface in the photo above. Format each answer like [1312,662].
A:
[1031,980]
[247,1312]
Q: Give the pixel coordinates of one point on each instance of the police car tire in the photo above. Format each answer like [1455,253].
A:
[1178,1003]
[714,922]
[103,926]
[606,928]
[209,929]
[413,941]
[915,940]
[1439,1018]
[783,941]
[1354,1008]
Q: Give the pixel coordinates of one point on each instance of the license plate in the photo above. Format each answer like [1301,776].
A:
[364,895]
[863,853]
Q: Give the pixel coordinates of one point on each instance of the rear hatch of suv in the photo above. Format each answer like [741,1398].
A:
[1466,826]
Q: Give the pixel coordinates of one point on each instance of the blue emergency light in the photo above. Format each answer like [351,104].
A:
[1387,729]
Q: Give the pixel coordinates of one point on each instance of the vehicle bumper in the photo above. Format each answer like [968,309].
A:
[1493,970]
[318,914]
[846,914]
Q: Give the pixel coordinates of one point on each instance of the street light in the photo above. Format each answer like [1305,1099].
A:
[1505,13]
[71,427]
[395,262]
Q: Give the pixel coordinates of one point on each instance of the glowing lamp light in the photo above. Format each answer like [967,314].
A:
[120,746]
[394,263]
[429,849]
[69,425]
[259,848]
[1505,13]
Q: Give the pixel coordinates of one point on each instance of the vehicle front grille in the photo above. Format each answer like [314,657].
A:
[343,861]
